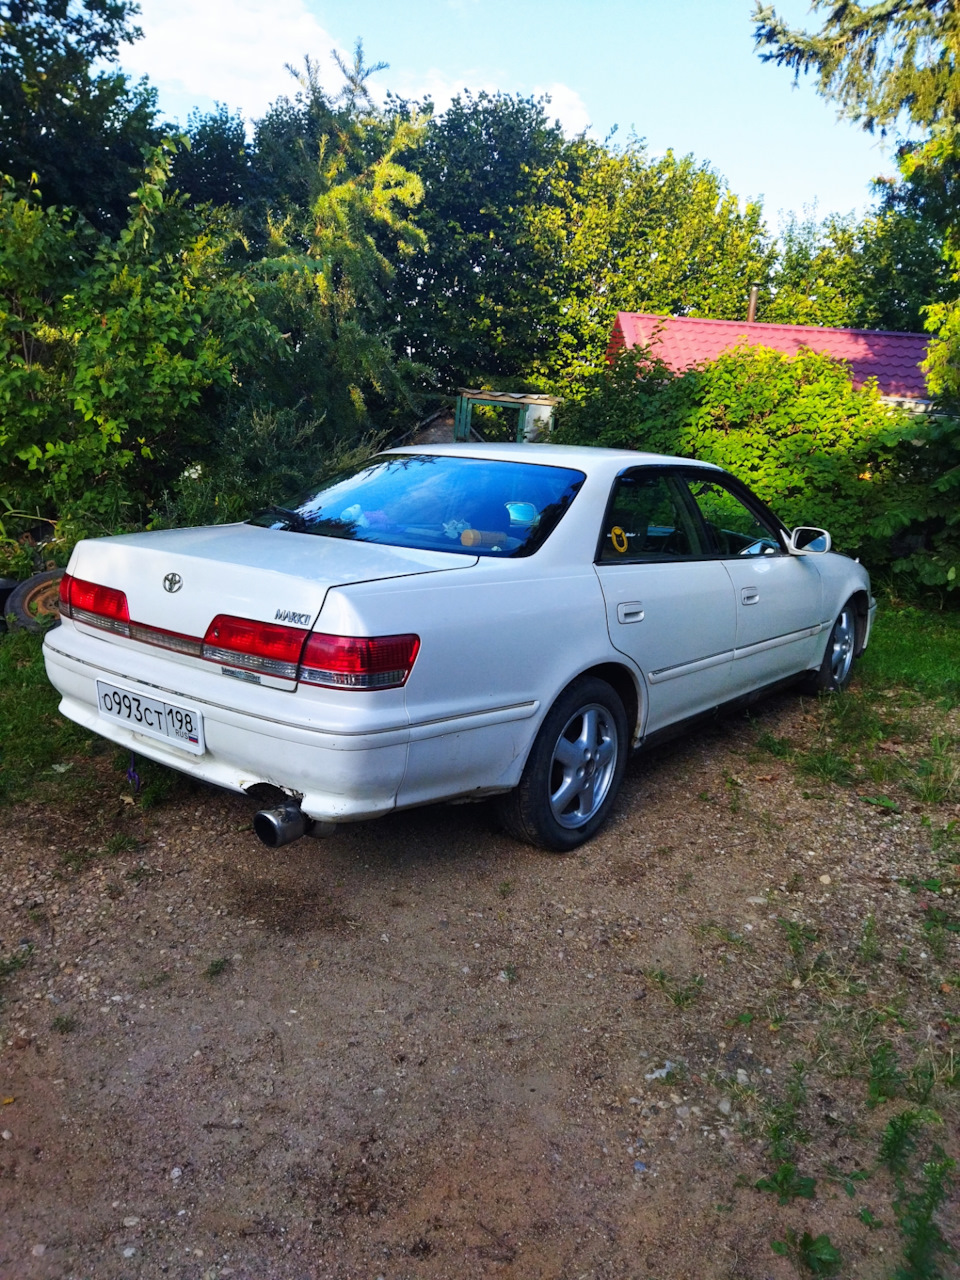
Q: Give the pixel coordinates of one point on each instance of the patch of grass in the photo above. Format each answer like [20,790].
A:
[723,934]
[817,1255]
[944,839]
[783,1126]
[33,735]
[914,649]
[857,719]
[826,765]
[774,746]
[16,961]
[924,1242]
[682,996]
[937,778]
[119,843]
[505,888]
[881,802]
[885,1079]
[869,947]
[798,935]
[899,1141]
[787,1183]
[216,967]
[77,860]
[63,1024]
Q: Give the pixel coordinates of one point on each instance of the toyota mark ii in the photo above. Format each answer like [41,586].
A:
[452,622]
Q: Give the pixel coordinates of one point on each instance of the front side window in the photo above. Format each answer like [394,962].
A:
[733,529]
[649,519]
[472,506]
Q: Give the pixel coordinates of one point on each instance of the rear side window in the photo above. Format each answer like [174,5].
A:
[649,518]
[470,506]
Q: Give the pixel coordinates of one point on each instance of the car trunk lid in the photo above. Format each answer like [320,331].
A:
[177,581]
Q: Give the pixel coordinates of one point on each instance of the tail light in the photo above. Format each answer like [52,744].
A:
[97,606]
[358,662]
[263,647]
[334,662]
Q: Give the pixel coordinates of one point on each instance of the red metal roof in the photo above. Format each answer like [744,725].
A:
[680,341]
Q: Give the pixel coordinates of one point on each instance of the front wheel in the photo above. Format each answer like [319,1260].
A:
[837,666]
[574,769]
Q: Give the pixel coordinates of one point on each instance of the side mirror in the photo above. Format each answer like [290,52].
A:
[807,541]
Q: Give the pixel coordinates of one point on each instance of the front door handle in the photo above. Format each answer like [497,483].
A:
[749,595]
[630,611]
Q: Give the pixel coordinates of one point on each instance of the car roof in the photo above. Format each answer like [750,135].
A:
[589,458]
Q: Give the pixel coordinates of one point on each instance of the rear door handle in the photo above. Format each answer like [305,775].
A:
[630,611]
[749,595]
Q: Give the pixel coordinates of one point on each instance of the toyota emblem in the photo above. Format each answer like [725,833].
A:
[172,582]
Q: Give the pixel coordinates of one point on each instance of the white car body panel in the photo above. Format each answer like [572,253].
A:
[499,642]
[678,627]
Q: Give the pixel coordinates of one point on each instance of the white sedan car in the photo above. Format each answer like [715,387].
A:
[452,622]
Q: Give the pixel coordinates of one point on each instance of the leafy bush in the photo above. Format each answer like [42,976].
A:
[262,457]
[817,449]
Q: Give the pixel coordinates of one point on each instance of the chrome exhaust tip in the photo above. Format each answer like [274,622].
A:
[283,825]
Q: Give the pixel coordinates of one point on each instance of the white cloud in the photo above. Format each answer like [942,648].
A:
[235,52]
[231,51]
[567,106]
[440,87]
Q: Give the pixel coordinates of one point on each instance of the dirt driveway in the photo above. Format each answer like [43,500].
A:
[421,1051]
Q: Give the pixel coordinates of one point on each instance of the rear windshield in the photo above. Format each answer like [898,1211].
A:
[468,505]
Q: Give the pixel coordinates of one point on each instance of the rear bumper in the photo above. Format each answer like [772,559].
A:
[338,776]
[347,757]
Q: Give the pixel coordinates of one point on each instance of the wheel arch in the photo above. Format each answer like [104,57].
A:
[623,683]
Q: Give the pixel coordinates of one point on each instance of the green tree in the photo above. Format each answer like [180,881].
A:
[877,61]
[215,167]
[76,123]
[475,303]
[336,222]
[116,351]
[883,62]
[625,232]
[878,272]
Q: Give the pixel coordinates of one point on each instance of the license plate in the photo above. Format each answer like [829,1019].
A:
[168,721]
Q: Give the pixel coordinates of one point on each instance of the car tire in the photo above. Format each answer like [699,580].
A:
[34,605]
[837,666]
[573,772]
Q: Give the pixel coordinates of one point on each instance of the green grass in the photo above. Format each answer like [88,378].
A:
[914,649]
[33,735]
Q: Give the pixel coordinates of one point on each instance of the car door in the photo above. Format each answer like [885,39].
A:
[778,596]
[669,600]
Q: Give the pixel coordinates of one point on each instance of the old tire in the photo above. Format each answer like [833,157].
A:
[573,772]
[34,605]
[837,666]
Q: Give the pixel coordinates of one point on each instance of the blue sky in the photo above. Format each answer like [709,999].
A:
[682,73]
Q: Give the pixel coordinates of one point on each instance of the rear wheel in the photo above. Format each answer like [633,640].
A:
[837,666]
[573,772]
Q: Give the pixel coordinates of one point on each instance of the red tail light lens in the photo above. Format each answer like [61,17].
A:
[65,594]
[96,605]
[254,646]
[358,662]
[335,662]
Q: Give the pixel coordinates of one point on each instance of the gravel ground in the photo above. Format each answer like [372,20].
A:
[418,1050]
